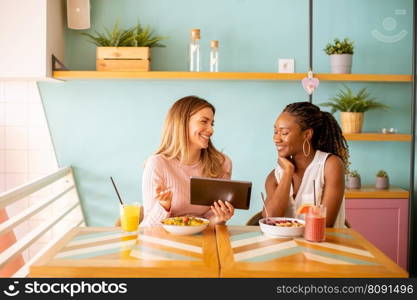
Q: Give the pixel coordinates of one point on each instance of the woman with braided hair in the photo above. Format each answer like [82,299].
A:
[311,148]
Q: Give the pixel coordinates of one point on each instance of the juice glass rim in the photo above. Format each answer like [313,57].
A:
[317,210]
[136,203]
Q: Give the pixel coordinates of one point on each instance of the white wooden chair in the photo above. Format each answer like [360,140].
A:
[64,200]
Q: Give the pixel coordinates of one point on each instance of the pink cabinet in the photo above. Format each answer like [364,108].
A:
[384,222]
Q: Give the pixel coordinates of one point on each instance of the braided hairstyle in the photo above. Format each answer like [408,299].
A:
[327,135]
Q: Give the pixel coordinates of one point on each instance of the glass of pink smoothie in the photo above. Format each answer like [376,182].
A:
[315,224]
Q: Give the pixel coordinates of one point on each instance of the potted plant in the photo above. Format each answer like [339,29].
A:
[352,108]
[353,180]
[340,55]
[382,180]
[124,49]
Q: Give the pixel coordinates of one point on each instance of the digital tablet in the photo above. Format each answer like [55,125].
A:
[204,191]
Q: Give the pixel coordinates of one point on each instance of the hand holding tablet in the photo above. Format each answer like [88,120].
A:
[223,211]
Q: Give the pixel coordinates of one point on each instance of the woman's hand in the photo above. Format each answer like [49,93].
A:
[287,164]
[222,211]
[164,196]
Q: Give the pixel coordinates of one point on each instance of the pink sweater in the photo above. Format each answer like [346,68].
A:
[175,176]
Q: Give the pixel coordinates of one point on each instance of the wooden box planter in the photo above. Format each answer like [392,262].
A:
[123,59]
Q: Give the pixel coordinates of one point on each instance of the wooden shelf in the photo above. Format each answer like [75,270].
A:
[365,77]
[176,75]
[370,136]
[371,192]
[73,75]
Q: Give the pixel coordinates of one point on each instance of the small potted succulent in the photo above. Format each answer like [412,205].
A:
[382,180]
[352,107]
[353,180]
[340,53]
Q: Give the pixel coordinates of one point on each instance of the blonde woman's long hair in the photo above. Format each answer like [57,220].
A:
[175,141]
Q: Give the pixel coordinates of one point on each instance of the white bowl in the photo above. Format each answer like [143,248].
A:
[278,231]
[185,230]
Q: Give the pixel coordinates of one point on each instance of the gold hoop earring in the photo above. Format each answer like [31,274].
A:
[309,148]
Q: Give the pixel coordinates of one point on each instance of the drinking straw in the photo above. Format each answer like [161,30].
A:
[314,191]
[117,192]
[263,200]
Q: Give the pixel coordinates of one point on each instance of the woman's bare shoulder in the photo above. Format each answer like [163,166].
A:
[334,164]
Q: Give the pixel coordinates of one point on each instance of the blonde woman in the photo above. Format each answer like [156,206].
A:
[186,150]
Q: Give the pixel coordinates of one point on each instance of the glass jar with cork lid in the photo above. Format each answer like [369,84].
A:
[214,56]
[194,59]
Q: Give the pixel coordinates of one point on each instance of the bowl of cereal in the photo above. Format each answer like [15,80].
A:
[282,227]
[185,225]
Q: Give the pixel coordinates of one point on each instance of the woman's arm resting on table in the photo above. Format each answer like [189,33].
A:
[334,187]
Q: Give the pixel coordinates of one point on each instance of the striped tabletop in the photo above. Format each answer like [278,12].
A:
[245,251]
[110,252]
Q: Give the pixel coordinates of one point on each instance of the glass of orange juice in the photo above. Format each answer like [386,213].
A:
[129,216]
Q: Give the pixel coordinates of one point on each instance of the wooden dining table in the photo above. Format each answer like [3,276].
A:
[221,251]
[244,251]
[111,252]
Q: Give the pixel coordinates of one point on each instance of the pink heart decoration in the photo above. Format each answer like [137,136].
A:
[310,84]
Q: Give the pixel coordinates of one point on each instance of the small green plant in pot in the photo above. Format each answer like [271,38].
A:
[124,49]
[382,180]
[353,180]
[340,53]
[352,108]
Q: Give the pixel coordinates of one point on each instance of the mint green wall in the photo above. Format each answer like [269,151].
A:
[108,128]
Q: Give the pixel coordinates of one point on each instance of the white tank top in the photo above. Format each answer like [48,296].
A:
[305,194]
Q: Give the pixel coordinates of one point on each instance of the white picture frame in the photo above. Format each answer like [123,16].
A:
[286,65]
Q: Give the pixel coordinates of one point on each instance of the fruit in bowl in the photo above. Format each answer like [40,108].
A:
[185,225]
[284,223]
[282,227]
